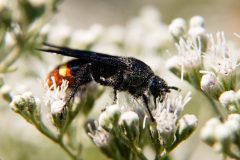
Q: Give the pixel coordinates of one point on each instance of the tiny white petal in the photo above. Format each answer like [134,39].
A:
[57,107]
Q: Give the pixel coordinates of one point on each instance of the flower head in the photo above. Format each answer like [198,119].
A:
[219,57]
[55,95]
[189,54]
[168,112]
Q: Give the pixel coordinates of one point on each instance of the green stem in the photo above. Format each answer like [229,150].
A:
[56,139]
[214,106]
[10,59]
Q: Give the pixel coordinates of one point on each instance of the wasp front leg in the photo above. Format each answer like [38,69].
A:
[83,77]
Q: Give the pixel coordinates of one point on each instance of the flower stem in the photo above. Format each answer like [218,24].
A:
[56,139]
[10,59]
[214,106]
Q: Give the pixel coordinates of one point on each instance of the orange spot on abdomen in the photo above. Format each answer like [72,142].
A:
[62,72]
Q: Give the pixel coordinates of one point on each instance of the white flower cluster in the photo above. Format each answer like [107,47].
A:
[223,136]
[133,125]
[210,64]
[56,96]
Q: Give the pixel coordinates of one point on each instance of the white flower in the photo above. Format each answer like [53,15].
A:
[208,131]
[208,81]
[187,122]
[55,95]
[168,112]
[129,118]
[197,32]
[189,53]
[227,97]
[100,137]
[178,27]
[219,57]
[197,21]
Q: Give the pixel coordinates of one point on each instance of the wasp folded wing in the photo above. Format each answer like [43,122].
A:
[87,56]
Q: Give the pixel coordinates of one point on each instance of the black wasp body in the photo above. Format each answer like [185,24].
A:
[120,73]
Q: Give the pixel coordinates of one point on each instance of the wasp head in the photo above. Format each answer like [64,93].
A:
[159,88]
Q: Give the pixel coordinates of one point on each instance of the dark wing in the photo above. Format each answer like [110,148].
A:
[88,56]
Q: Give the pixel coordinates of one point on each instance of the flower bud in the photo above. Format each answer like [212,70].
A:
[227,98]
[207,132]
[197,32]
[197,21]
[108,119]
[129,123]
[178,27]
[27,106]
[223,136]
[5,92]
[209,84]
[187,124]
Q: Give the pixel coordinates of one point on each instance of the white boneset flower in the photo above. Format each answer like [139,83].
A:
[187,122]
[197,32]
[178,27]
[227,97]
[55,95]
[167,113]
[207,132]
[189,53]
[100,137]
[223,136]
[129,117]
[208,81]
[233,126]
[197,21]
[235,117]
[219,57]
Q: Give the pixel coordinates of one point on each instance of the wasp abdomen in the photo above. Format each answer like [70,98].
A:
[62,72]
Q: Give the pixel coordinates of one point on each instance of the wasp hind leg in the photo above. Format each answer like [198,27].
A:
[146,102]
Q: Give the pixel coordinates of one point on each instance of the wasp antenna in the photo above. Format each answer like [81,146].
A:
[174,88]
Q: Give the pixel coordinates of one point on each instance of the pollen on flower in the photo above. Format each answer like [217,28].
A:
[56,96]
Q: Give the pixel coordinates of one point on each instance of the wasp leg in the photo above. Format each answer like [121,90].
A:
[83,76]
[145,100]
[114,96]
